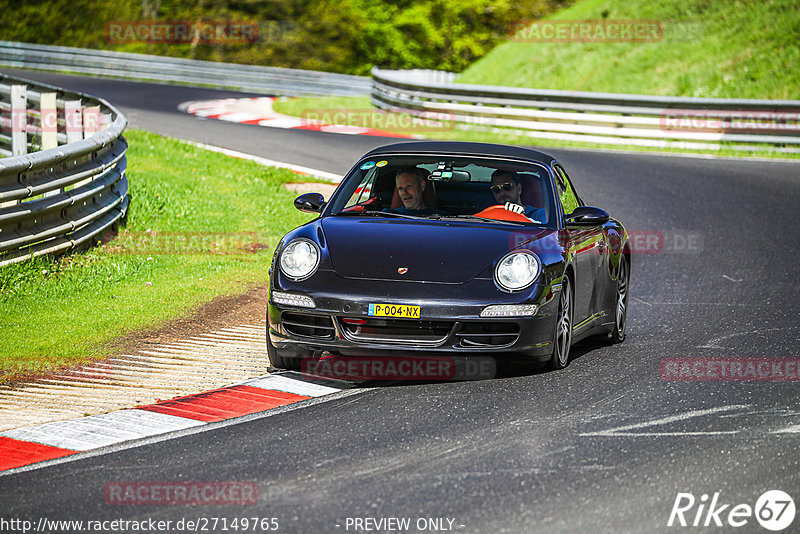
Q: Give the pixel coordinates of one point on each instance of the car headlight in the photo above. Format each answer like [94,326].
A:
[517,270]
[299,259]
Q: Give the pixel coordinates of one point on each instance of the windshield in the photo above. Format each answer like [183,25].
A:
[450,187]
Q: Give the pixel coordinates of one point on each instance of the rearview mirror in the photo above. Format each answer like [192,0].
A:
[587,216]
[449,176]
[310,202]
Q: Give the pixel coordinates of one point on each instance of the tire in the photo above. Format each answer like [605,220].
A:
[283,359]
[562,337]
[617,335]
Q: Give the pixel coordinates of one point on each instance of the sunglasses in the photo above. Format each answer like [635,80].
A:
[508,186]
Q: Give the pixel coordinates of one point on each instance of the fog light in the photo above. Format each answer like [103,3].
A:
[293,300]
[509,310]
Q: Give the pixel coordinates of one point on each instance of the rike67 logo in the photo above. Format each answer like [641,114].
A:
[774,510]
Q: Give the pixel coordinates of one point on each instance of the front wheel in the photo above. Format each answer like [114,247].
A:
[282,358]
[562,338]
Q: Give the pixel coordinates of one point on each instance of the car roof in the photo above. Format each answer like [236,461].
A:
[462,148]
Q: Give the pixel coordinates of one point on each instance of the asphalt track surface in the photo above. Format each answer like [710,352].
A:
[602,446]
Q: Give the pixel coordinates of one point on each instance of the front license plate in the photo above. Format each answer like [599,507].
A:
[394,310]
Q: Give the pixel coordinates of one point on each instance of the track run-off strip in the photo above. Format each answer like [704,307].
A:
[121,399]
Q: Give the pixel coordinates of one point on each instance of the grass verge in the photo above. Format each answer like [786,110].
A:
[200,225]
[358,111]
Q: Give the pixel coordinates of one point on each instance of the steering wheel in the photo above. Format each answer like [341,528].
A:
[498,212]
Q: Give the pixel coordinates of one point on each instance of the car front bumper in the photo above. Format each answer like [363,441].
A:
[450,319]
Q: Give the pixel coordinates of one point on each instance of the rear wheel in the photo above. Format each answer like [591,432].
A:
[621,314]
[562,338]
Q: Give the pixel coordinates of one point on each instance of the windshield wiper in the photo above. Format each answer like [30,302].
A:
[378,214]
[482,219]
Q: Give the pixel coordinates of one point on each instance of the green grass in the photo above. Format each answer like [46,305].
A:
[716,48]
[355,109]
[59,312]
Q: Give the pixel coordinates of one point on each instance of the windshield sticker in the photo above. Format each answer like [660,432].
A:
[381,163]
[367,165]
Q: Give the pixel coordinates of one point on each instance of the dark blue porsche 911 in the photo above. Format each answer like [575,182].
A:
[433,248]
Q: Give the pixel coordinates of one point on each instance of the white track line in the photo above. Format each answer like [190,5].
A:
[325,175]
[624,430]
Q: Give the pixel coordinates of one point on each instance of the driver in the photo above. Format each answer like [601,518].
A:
[507,189]
[411,183]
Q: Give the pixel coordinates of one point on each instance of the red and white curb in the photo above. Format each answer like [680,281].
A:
[29,445]
[259,111]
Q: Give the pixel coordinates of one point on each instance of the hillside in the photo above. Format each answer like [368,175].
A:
[704,48]
[347,36]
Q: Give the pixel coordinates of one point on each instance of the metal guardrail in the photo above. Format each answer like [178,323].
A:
[60,196]
[161,69]
[604,118]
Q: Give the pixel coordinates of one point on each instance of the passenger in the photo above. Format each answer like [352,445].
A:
[411,184]
[507,190]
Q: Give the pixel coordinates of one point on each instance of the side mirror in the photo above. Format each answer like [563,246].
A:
[587,216]
[310,202]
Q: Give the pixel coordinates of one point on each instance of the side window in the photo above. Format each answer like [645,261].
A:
[569,200]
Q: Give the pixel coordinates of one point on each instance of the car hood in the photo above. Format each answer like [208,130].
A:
[444,252]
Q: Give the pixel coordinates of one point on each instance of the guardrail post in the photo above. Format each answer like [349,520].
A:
[91,124]
[19,120]
[74,126]
[72,116]
[49,121]
[49,124]
[91,121]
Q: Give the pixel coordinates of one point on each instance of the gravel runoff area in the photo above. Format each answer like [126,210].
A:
[221,343]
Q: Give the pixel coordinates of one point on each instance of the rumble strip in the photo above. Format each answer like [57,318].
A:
[259,111]
[29,445]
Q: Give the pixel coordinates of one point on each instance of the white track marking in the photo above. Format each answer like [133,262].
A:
[794,429]
[290,385]
[715,343]
[268,162]
[283,122]
[237,117]
[102,430]
[625,430]
[726,277]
